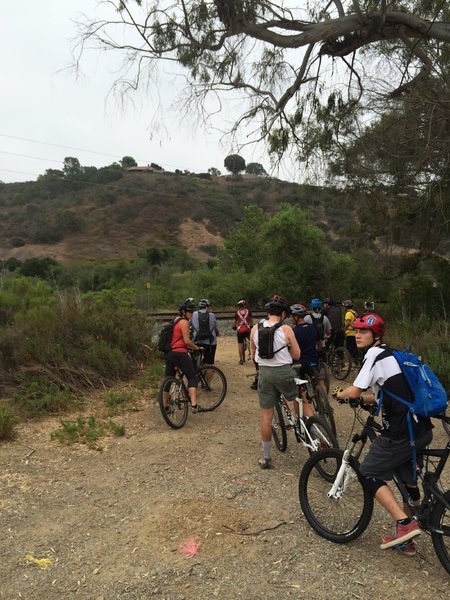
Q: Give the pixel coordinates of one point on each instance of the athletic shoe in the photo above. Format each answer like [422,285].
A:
[403,533]
[265,463]
[408,548]
[197,409]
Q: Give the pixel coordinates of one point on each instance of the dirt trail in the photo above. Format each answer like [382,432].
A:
[111,522]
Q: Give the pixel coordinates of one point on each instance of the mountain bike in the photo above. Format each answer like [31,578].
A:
[342,511]
[211,391]
[316,395]
[314,433]
[340,362]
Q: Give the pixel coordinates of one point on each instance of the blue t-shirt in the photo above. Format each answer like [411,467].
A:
[306,335]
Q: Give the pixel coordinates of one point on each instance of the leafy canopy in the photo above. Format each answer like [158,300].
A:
[280,59]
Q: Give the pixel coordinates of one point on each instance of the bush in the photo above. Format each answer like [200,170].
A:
[37,397]
[7,422]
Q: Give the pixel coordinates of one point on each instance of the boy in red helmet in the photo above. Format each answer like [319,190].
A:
[392,449]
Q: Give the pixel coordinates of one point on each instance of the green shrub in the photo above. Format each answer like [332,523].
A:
[37,396]
[7,422]
[120,401]
[86,431]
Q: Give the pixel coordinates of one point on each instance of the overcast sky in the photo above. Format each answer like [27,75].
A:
[48,114]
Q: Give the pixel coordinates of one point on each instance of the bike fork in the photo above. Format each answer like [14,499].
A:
[343,478]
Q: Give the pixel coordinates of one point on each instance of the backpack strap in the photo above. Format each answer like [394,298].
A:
[275,327]
[410,414]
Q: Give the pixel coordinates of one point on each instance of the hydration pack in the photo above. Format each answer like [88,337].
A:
[266,337]
[204,332]
[429,399]
[165,338]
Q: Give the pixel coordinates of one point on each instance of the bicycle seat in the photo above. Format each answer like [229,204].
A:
[298,381]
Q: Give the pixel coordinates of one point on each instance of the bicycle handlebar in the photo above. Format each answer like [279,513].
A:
[359,403]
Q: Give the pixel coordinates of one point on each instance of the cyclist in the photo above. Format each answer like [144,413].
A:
[334,315]
[349,330]
[320,321]
[242,325]
[306,336]
[392,449]
[275,374]
[205,335]
[178,357]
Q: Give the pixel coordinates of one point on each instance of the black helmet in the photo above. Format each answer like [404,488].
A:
[186,306]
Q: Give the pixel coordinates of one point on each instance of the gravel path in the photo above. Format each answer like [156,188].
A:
[111,523]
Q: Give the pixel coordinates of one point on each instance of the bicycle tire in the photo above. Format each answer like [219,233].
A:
[325,409]
[212,387]
[279,432]
[440,517]
[339,520]
[324,371]
[176,414]
[340,363]
[319,428]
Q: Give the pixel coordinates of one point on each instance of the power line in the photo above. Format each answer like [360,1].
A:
[28,156]
[22,139]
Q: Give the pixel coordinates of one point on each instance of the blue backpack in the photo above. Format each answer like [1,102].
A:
[429,399]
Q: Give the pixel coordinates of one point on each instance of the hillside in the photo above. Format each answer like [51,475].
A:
[75,221]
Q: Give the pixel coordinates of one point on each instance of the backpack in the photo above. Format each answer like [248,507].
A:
[429,399]
[320,327]
[265,340]
[165,337]
[204,331]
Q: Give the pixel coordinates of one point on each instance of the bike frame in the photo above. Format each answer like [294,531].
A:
[432,493]
[301,432]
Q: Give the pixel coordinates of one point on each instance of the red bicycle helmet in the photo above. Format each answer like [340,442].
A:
[371,321]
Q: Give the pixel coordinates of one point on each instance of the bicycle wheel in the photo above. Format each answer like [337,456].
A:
[320,431]
[212,387]
[324,371]
[440,518]
[340,363]
[175,414]
[279,423]
[324,409]
[343,517]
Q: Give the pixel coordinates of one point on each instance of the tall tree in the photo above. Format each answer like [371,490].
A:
[234,163]
[282,57]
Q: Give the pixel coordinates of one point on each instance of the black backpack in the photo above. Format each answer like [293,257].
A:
[320,327]
[165,337]
[204,332]
[265,340]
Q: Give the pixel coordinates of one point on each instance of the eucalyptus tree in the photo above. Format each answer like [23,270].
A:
[291,64]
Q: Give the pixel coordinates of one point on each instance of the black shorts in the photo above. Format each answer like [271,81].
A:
[241,336]
[209,353]
[387,455]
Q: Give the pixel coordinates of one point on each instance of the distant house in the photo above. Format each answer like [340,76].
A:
[153,168]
